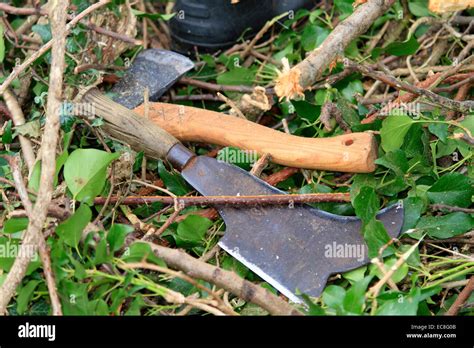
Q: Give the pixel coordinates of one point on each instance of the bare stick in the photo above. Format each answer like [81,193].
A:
[260,34]
[394,82]
[145,265]
[462,298]
[224,279]
[292,83]
[18,119]
[43,248]
[278,199]
[58,11]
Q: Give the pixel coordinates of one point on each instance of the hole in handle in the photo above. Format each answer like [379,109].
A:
[348,142]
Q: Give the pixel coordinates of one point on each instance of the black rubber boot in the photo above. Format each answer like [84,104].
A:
[210,25]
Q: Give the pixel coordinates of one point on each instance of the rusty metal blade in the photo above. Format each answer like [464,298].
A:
[295,249]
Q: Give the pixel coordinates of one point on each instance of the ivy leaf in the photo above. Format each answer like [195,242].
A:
[85,172]
[7,136]
[140,251]
[14,225]
[366,204]
[405,48]
[116,236]
[333,296]
[419,8]
[192,230]
[355,297]
[394,160]
[440,130]
[376,237]
[71,230]
[237,76]
[447,226]
[313,36]
[402,305]
[24,296]
[452,189]
[413,208]
[173,182]
[393,131]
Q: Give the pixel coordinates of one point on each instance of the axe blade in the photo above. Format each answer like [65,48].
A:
[155,69]
[293,249]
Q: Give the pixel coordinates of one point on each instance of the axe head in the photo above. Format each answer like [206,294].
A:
[155,69]
[294,248]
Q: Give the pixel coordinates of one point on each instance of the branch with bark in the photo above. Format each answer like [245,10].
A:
[292,83]
[224,279]
[58,13]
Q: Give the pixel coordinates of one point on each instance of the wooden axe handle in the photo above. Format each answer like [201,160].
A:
[354,152]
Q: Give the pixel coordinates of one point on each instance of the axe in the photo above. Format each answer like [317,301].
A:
[158,69]
[294,248]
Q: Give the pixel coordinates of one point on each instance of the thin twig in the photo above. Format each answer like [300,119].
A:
[224,279]
[278,199]
[462,298]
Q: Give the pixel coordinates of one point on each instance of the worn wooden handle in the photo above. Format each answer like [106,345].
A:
[354,152]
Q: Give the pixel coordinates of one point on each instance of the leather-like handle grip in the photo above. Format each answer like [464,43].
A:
[125,125]
[354,152]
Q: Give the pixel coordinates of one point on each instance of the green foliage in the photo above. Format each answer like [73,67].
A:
[85,173]
[70,231]
[394,129]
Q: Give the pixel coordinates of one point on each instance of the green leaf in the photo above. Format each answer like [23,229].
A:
[405,48]
[43,30]
[237,76]
[394,129]
[355,297]
[376,236]
[71,230]
[344,6]
[394,160]
[333,296]
[116,236]
[85,172]
[14,225]
[192,230]
[452,189]
[413,208]
[306,110]
[141,251]
[2,44]
[440,130]
[446,226]
[313,36]
[24,296]
[352,89]
[173,181]
[7,136]
[402,305]
[366,204]
[35,179]
[419,8]
[399,274]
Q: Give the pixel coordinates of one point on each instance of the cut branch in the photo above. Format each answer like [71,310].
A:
[307,72]
[58,11]
[185,201]
[224,279]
